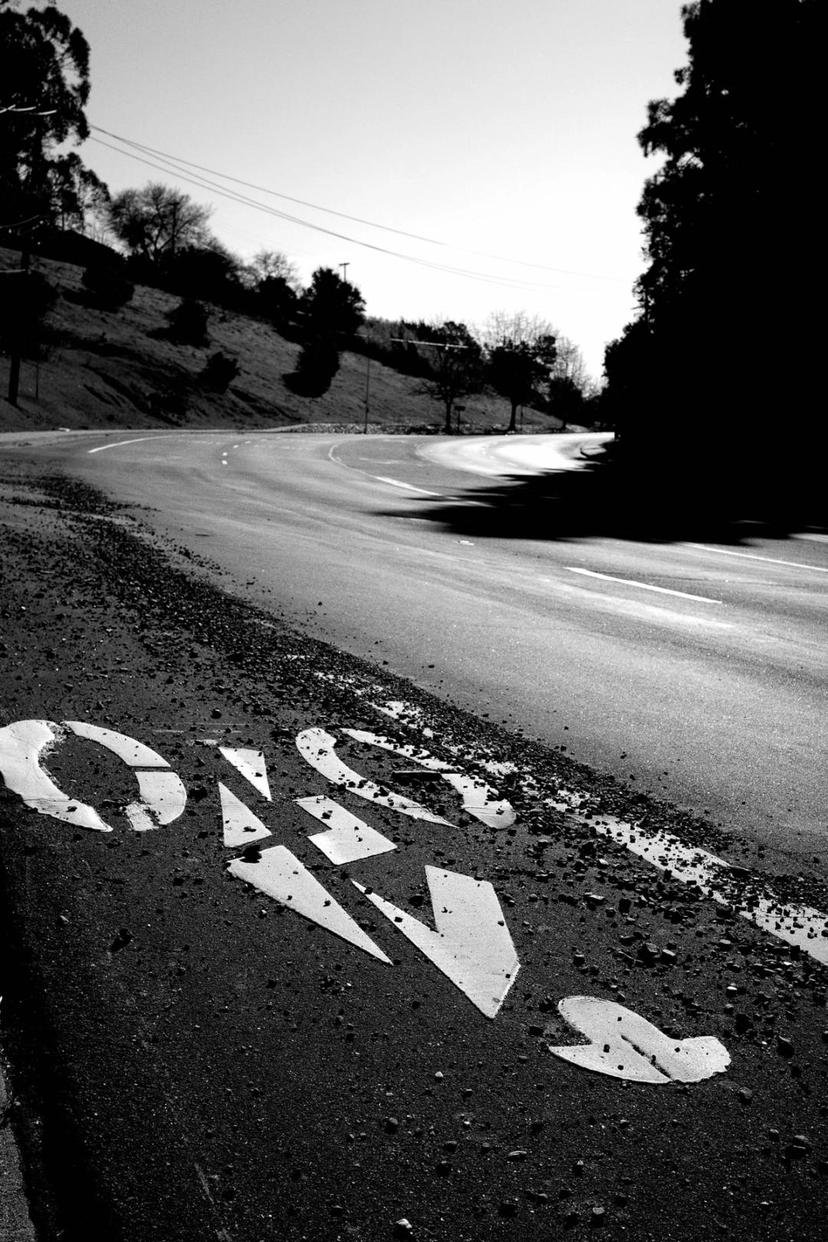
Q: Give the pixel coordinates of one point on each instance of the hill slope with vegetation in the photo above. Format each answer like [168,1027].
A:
[111,368]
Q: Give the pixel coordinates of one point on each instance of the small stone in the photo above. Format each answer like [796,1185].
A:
[598,1215]
[784,1046]
[392,1125]
[508,1207]
[745,1095]
[403,1228]
[648,952]
[518,1154]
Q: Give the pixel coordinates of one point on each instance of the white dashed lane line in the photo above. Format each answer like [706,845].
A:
[644,586]
[754,556]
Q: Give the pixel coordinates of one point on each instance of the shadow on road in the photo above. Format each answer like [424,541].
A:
[610,498]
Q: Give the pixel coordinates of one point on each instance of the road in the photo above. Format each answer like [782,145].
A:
[695,672]
[292,956]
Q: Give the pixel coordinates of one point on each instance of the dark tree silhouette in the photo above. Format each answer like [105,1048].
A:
[330,306]
[157,222]
[455,361]
[328,314]
[520,369]
[731,224]
[276,301]
[107,284]
[219,372]
[27,299]
[187,323]
[44,88]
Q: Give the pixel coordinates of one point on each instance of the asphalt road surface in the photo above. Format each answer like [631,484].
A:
[296,948]
[696,671]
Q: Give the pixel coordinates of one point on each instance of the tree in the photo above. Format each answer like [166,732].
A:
[521,356]
[44,88]
[276,301]
[187,323]
[210,272]
[330,306]
[157,222]
[272,265]
[219,372]
[107,284]
[27,299]
[328,313]
[732,221]
[455,361]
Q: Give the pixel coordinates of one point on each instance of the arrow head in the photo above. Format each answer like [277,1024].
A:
[471,944]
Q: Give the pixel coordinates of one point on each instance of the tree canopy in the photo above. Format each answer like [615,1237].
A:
[44,89]
[521,356]
[158,221]
[730,221]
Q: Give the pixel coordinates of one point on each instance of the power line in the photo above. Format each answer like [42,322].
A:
[431,241]
[164,164]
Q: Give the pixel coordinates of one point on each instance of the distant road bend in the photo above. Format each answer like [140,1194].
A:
[695,671]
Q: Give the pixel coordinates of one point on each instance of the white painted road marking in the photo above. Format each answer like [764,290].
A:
[319,749]
[643,586]
[478,798]
[346,839]
[163,796]
[281,875]
[472,944]
[103,448]
[799,925]
[625,1045]
[240,826]
[251,765]
[754,556]
[409,487]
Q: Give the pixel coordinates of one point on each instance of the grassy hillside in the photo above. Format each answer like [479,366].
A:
[109,369]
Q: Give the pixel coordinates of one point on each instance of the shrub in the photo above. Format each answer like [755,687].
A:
[219,372]
[188,323]
[107,285]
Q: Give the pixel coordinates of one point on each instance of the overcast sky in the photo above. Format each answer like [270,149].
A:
[504,131]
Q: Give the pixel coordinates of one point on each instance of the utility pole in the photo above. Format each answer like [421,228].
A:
[14,360]
[367,391]
[344,267]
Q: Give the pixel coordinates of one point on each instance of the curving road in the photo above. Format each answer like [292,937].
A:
[695,671]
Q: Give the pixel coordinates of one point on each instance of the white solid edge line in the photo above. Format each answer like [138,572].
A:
[644,586]
[754,556]
[409,487]
[120,443]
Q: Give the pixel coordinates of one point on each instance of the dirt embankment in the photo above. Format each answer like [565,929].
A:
[116,369]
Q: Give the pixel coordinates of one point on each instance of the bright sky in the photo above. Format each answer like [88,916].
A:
[505,131]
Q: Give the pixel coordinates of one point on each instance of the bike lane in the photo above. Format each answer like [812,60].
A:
[288,960]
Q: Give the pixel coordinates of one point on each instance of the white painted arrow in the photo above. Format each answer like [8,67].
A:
[479,799]
[347,838]
[319,749]
[240,825]
[471,946]
[625,1045]
[251,765]
[281,875]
